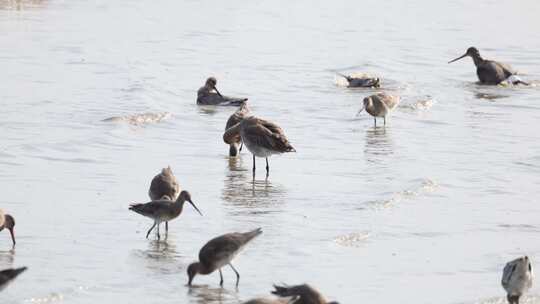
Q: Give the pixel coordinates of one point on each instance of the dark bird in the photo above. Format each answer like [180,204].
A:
[301,294]
[379,105]
[362,82]
[209,95]
[517,278]
[235,118]
[8,222]
[164,186]
[262,138]
[219,252]
[163,210]
[8,275]
[489,71]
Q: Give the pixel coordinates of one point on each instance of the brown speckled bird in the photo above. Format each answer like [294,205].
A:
[379,105]
[164,186]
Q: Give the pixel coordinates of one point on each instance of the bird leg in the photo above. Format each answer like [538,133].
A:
[151,228]
[237,274]
[384,119]
[241,146]
[158,236]
[253,165]
[267,167]
[221,278]
[375,121]
[167,228]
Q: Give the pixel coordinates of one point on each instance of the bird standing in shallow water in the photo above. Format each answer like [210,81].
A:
[209,95]
[517,278]
[8,275]
[164,186]
[489,71]
[8,222]
[235,118]
[163,210]
[379,105]
[262,138]
[219,252]
[362,82]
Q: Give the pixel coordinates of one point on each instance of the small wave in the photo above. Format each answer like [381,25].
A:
[426,186]
[355,239]
[421,104]
[140,119]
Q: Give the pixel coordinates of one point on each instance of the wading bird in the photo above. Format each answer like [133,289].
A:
[163,210]
[8,222]
[262,138]
[8,275]
[164,186]
[362,82]
[489,71]
[209,95]
[219,252]
[379,105]
[235,118]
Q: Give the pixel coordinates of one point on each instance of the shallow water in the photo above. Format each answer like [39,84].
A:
[426,210]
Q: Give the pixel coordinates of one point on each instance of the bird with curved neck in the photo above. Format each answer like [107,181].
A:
[220,251]
[490,71]
[164,186]
[163,210]
[517,278]
[235,118]
[262,138]
[8,222]
[209,95]
[379,105]
[361,82]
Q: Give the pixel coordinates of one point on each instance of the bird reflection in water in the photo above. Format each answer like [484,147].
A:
[378,145]
[7,257]
[160,256]
[241,190]
[204,294]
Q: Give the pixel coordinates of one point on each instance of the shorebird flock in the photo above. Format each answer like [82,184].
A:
[263,138]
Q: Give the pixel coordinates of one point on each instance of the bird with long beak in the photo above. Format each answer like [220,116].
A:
[8,275]
[163,210]
[219,252]
[379,105]
[517,278]
[235,118]
[8,222]
[164,186]
[490,71]
[262,138]
[209,95]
